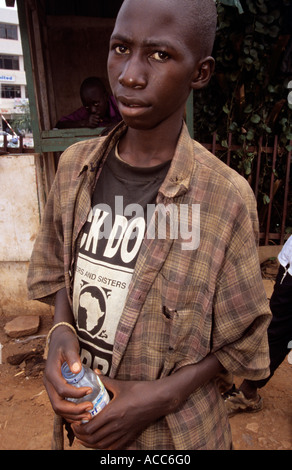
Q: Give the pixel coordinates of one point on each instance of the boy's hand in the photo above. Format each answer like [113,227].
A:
[64,347]
[93,120]
[134,406]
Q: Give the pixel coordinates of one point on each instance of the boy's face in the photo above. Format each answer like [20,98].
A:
[95,101]
[151,65]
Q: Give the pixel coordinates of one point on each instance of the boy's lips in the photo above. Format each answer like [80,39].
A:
[131,103]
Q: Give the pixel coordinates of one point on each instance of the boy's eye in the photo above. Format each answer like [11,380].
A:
[160,56]
[121,50]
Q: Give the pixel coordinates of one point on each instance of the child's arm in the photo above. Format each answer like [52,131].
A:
[64,346]
[136,405]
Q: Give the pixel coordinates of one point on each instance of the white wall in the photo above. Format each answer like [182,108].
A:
[19,224]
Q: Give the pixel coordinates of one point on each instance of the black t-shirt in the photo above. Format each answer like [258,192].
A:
[122,203]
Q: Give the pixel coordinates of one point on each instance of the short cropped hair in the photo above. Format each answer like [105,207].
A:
[200,17]
[92,82]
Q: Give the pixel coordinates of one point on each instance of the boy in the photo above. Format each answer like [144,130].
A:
[171,313]
[98,110]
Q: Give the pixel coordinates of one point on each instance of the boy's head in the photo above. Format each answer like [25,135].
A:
[94,96]
[160,51]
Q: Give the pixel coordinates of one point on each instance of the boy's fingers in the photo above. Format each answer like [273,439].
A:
[75,366]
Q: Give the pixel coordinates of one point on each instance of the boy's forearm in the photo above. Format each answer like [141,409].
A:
[180,385]
[64,334]
[63,311]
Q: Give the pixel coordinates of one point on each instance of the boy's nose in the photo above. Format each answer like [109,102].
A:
[94,109]
[133,75]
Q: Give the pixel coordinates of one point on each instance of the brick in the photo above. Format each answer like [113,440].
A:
[22,326]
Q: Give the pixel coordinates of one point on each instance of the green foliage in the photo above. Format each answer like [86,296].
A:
[22,120]
[248,94]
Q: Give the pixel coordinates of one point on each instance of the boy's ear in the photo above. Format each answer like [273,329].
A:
[204,72]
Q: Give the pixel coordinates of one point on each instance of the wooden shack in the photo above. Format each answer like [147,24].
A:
[64,41]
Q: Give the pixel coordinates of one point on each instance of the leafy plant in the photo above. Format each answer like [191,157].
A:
[22,120]
[248,94]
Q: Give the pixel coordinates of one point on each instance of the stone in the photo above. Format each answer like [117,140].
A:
[22,326]
[254,427]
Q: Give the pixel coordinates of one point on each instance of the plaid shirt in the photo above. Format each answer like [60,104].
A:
[182,304]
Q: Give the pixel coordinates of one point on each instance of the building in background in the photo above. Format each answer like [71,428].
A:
[13,94]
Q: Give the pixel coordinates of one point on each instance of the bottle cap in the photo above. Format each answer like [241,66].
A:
[69,376]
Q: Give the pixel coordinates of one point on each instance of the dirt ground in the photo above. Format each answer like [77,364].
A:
[26,416]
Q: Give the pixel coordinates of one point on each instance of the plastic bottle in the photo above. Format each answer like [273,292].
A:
[87,378]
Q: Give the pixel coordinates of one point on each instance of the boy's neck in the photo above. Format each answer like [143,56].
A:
[146,148]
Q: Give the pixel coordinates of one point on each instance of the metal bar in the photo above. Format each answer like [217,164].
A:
[214,146]
[271,190]
[256,189]
[286,194]
[229,148]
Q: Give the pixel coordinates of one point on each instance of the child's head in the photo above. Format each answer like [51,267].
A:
[94,96]
[160,51]
[200,19]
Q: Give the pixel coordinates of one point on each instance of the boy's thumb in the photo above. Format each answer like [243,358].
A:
[74,363]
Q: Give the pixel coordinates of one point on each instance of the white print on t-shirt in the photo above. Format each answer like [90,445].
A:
[103,273]
[108,250]
[117,234]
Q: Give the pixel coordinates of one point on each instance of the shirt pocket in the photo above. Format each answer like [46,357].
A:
[187,310]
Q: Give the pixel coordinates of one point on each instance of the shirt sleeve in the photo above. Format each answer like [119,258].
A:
[241,310]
